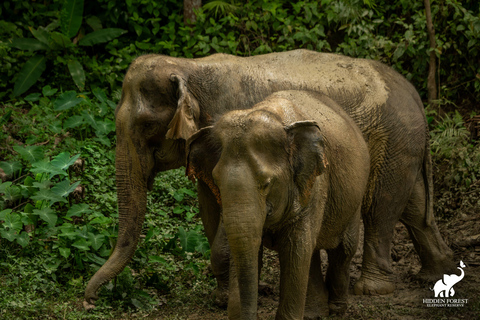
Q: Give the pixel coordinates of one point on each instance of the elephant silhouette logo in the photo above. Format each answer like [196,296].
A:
[444,287]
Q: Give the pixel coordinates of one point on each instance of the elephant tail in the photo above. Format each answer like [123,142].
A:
[428,181]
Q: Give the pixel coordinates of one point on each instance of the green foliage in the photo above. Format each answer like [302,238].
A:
[55,44]
[42,211]
[394,33]
[457,166]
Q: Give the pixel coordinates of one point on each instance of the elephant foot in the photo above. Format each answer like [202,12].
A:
[315,312]
[88,306]
[220,297]
[373,286]
[337,307]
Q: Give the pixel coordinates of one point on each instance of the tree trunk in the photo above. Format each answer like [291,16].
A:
[431,84]
[189,16]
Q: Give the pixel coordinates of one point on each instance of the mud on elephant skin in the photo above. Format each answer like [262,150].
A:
[165,100]
[292,171]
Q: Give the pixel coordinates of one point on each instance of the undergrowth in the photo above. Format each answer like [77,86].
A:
[456,163]
[59,215]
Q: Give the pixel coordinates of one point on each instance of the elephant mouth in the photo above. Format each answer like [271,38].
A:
[157,163]
[151,180]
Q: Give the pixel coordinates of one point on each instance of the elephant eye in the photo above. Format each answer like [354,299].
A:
[265,185]
[269,208]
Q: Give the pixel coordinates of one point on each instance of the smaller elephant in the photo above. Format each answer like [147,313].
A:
[290,173]
[444,287]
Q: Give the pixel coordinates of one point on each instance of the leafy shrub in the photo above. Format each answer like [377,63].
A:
[54,43]
[457,166]
[43,136]
[37,206]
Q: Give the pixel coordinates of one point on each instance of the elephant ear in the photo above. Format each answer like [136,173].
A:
[183,124]
[306,156]
[202,154]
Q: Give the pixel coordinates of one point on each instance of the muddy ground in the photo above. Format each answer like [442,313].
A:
[407,300]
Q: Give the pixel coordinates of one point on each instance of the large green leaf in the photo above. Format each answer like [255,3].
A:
[4,186]
[23,239]
[47,215]
[89,119]
[10,168]
[29,44]
[33,97]
[66,101]
[96,240]
[71,18]
[46,184]
[30,153]
[188,240]
[94,22]
[68,231]
[78,209]
[48,91]
[3,213]
[31,71]
[77,73]
[60,41]
[64,252]
[13,221]
[101,36]
[63,189]
[12,193]
[44,194]
[100,95]
[96,259]
[105,127]
[81,244]
[10,234]
[44,166]
[73,122]
[63,160]
[42,35]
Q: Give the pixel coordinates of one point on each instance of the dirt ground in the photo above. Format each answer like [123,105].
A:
[407,300]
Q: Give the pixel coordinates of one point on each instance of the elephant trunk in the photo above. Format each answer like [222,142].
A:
[132,199]
[243,220]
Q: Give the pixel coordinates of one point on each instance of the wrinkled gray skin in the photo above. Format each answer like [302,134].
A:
[296,184]
[165,100]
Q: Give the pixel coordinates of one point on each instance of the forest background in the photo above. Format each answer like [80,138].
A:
[62,64]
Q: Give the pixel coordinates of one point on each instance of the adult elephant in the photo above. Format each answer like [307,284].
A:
[165,100]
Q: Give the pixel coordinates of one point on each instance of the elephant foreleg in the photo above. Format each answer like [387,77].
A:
[220,262]
[295,253]
[220,251]
[338,272]
[316,304]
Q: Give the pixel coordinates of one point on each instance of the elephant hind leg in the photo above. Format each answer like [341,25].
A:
[435,255]
[379,223]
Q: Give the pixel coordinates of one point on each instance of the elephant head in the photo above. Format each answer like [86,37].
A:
[155,115]
[263,172]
